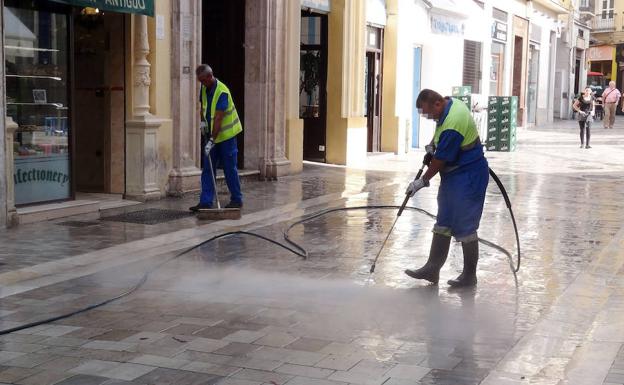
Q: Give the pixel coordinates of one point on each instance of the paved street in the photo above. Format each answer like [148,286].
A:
[242,311]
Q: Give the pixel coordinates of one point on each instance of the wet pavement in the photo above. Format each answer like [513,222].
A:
[241,310]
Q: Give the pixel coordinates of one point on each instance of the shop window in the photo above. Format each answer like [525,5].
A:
[310,30]
[497,68]
[36,62]
[472,65]
[310,62]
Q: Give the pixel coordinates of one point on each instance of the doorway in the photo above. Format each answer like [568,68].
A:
[313,85]
[223,48]
[99,101]
[533,82]
[373,87]
[577,74]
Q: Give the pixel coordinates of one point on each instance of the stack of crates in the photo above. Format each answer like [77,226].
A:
[502,123]
[463,93]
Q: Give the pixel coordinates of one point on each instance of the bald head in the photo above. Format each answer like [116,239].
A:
[203,69]
[612,84]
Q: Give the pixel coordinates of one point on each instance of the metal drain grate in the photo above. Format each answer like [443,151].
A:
[78,224]
[149,216]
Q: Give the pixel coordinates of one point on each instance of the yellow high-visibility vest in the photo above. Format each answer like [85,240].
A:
[231,124]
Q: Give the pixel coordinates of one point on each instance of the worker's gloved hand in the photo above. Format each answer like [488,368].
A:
[430,149]
[416,185]
[203,125]
[208,147]
[583,113]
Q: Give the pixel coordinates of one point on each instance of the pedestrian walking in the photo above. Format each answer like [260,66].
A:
[219,126]
[585,107]
[610,100]
[456,153]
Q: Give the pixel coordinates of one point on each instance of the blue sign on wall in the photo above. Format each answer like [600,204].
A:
[446,25]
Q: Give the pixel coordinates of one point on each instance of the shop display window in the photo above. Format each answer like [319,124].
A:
[37,93]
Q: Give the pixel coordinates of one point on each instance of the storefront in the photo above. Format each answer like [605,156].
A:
[373,84]
[65,93]
[601,59]
[37,96]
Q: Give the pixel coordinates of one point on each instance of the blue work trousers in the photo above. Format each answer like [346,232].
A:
[460,200]
[224,154]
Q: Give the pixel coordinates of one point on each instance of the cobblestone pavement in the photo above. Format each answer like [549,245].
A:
[243,311]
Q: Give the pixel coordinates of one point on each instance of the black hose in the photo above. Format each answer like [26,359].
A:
[142,281]
[430,215]
[298,250]
[503,191]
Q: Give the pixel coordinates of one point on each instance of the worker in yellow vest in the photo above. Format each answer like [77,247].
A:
[219,126]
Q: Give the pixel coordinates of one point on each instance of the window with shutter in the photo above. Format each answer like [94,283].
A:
[472,65]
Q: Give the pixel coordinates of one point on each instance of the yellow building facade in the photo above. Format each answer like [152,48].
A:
[606,56]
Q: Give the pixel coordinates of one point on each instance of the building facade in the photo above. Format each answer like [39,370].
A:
[571,66]
[497,47]
[606,54]
[103,99]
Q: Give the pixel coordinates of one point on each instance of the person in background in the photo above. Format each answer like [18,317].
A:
[585,107]
[610,100]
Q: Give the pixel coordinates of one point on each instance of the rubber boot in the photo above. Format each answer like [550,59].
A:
[468,277]
[437,256]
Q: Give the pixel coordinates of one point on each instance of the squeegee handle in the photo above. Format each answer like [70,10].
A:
[407,197]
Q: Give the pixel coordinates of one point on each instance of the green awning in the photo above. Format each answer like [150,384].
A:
[143,7]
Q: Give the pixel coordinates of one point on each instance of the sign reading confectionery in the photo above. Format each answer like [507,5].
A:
[143,7]
[41,178]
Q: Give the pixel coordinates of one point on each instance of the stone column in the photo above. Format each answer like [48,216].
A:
[185,57]
[11,212]
[294,124]
[265,79]
[142,130]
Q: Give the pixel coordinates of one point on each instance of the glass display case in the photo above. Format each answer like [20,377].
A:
[37,93]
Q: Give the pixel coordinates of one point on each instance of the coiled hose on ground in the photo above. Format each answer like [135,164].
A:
[295,249]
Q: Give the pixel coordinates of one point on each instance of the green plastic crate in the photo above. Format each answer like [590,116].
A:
[507,147]
[467,100]
[461,91]
[491,146]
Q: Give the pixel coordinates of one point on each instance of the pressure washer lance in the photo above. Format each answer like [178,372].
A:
[503,191]
[407,198]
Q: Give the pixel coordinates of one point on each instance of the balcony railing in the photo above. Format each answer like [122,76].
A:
[601,24]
